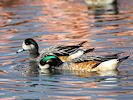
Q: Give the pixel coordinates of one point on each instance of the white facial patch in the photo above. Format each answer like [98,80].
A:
[27,47]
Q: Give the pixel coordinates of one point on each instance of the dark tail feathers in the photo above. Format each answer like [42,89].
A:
[80,44]
[124,58]
[113,55]
[88,50]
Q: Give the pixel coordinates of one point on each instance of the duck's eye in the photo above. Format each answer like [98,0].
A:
[28,42]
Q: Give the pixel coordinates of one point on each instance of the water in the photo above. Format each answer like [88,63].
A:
[108,28]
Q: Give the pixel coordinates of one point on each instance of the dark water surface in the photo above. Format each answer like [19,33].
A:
[108,28]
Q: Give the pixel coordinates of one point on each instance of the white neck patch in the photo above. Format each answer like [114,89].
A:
[28,47]
[46,66]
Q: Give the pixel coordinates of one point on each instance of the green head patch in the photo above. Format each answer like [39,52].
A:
[32,41]
[47,58]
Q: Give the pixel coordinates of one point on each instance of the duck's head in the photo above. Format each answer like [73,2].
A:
[29,45]
[49,62]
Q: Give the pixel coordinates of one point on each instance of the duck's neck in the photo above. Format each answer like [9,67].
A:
[34,53]
[60,63]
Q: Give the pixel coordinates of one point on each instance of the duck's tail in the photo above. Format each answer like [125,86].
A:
[80,44]
[88,50]
[123,58]
[116,55]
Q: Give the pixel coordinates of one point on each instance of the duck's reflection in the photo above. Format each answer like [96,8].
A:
[86,74]
[109,73]
[32,69]
[107,79]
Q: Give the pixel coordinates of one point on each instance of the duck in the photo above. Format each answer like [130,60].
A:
[62,51]
[100,2]
[87,63]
